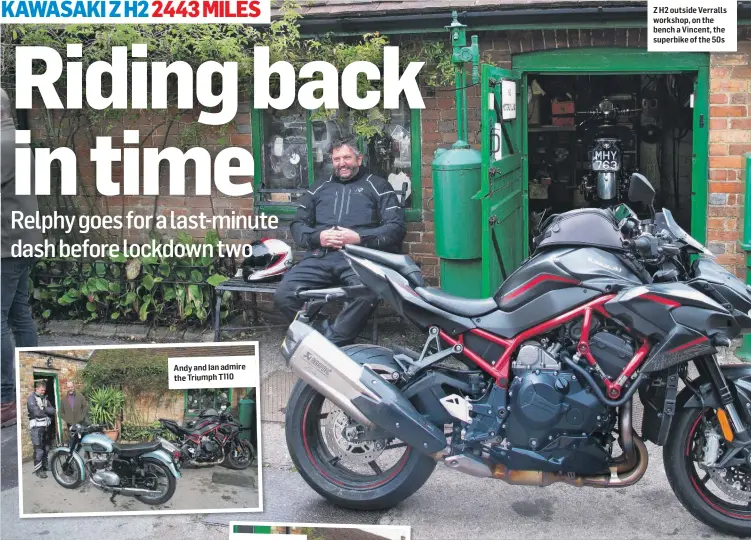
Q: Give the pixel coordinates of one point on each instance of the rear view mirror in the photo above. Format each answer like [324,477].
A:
[640,190]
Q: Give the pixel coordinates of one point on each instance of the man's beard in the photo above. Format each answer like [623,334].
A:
[353,173]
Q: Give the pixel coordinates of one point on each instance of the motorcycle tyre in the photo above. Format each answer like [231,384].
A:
[680,482]
[229,462]
[73,463]
[170,490]
[412,476]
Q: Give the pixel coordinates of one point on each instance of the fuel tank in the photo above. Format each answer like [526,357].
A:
[96,442]
[589,268]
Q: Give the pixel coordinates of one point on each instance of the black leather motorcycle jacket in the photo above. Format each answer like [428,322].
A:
[367,204]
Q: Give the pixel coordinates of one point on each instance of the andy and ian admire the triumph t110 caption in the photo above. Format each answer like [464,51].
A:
[535,385]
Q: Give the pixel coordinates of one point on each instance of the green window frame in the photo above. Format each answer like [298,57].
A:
[191,413]
[412,213]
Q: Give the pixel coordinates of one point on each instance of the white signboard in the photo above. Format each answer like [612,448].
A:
[508,99]
[213,372]
[692,25]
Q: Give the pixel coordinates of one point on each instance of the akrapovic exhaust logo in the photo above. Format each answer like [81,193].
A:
[317,364]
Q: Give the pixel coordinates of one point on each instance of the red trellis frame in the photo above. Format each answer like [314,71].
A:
[499,370]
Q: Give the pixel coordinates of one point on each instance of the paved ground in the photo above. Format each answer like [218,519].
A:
[450,506]
[210,488]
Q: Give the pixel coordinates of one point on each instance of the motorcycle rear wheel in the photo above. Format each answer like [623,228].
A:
[307,445]
[159,469]
[695,488]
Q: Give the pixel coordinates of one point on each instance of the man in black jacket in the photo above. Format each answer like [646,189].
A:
[349,207]
[18,328]
[40,418]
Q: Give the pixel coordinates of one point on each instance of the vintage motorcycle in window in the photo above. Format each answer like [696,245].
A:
[213,438]
[143,470]
[607,181]
[535,385]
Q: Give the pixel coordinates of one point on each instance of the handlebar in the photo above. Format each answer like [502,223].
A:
[616,112]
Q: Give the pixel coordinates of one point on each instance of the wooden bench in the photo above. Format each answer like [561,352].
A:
[238,284]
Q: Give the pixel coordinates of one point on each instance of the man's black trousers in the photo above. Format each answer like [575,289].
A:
[331,270]
[40,442]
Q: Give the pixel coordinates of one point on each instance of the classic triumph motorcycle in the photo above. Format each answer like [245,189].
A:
[212,439]
[144,470]
[535,385]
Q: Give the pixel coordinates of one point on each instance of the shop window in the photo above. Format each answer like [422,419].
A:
[199,399]
[292,152]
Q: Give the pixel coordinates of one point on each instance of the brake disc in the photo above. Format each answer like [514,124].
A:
[733,482]
[341,435]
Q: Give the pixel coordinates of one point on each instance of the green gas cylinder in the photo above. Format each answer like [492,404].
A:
[458,242]
[247,410]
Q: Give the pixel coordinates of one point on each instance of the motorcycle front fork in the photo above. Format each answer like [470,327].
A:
[711,369]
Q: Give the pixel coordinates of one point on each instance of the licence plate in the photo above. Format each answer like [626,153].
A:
[606,159]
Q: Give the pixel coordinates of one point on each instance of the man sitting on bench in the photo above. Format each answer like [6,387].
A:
[349,207]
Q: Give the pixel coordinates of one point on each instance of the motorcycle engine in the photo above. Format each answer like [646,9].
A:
[99,460]
[210,448]
[548,403]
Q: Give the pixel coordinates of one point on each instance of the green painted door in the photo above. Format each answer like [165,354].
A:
[504,224]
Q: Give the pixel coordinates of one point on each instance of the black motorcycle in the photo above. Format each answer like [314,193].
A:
[534,385]
[213,438]
[607,182]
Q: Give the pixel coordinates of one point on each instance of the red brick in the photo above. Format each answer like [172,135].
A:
[729,59]
[718,150]
[722,235]
[728,162]
[718,174]
[240,139]
[728,85]
[742,72]
[737,149]
[718,123]
[718,99]
[728,110]
[730,135]
[740,123]
[725,187]
[722,211]
[716,223]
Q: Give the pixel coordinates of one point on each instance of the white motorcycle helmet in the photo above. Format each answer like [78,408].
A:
[270,259]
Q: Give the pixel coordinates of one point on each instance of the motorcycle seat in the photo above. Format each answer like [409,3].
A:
[466,307]
[401,263]
[136,449]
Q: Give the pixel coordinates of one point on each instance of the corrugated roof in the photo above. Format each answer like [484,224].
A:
[360,8]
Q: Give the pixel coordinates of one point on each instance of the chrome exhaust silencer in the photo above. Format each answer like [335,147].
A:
[360,392]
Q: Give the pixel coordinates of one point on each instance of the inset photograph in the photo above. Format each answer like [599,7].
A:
[104,429]
[268,531]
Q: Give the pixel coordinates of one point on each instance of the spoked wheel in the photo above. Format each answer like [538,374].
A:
[68,476]
[721,498]
[159,479]
[335,457]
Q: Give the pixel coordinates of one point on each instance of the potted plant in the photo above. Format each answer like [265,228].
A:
[105,407]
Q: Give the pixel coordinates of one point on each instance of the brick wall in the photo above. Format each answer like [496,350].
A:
[729,139]
[729,134]
[31,363]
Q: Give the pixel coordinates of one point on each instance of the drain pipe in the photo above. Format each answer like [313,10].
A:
[744,353]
